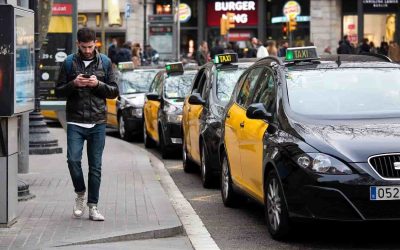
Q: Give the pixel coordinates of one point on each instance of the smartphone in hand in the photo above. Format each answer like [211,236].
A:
[86,75]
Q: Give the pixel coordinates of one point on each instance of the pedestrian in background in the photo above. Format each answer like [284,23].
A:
[252,52]
[112,51]
[345,47]
[262,50]
[136,57]
[217,49]
[86,79]
[271,48]
[124,54]
[283,48]
[202,55]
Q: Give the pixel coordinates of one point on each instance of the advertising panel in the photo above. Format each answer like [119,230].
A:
[17,83]
[245,12]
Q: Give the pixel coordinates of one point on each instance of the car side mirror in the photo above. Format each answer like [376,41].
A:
[153,97]
[195,99]
[258,111]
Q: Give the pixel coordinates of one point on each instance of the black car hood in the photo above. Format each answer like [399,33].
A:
[353,141]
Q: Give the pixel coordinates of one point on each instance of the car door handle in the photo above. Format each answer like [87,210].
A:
[228,115]
[189,109]
[242,124]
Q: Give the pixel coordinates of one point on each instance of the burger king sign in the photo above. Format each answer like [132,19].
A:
[291,9]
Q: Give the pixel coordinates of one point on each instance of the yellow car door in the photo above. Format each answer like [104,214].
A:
[155,105]
[112,119]
[185,123]
[231,138]
[251,154]
[194,127]
[253,131]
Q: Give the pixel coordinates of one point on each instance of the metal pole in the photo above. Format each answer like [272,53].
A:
[178,31]
[103,35]
[74,25]
[360,14]
[144,23]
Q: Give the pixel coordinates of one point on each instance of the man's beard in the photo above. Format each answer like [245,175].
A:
[87,55]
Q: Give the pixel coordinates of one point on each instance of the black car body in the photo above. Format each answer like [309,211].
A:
[163,110]
[329,145]
[133,85]
[203,114]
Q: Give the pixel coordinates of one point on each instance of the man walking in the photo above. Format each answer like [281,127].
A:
[86,79]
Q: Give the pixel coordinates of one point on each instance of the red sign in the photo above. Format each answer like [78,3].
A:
[245,12]
[239,36]
[62,9]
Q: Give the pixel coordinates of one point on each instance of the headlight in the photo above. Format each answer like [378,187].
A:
[173,118]
[137,112]
[170,108]
[323,164]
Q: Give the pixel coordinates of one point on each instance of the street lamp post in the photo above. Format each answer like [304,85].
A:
[103,35]
[144,23]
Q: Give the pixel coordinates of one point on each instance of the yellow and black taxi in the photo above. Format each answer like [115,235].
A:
[163,107]
[126,111]
[203,112]
[313,137]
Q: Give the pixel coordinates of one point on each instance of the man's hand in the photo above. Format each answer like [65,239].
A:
[93,82]
[81,81]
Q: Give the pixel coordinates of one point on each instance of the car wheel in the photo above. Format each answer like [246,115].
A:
[123,132]
[229,196]
[148,142]
[188,165]
[163,146]
[276,212]
[206,174]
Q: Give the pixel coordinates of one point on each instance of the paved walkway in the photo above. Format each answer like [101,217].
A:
[131,198]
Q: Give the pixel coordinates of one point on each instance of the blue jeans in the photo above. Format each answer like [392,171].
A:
[95,138]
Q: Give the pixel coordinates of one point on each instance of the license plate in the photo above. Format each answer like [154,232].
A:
[384,193]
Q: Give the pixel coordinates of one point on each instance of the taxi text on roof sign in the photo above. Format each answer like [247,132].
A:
[174,68]
[301,54]
[226,58]
[125,65]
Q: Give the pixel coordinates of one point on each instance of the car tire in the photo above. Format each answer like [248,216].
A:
[188,165]
[229,196]
[276,212]
[163,147]
[206,175]
[123,132]
[148,142]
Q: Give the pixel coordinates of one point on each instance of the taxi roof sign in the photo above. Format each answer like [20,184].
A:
[126,65]
[301,54]
[226,58]
[172,68]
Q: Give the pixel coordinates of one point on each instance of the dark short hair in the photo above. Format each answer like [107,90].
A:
[86,35]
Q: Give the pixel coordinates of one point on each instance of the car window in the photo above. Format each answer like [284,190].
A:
[266,92]
[198,80]
[249,83]
[178,86]
[136,81]
[345,92]
[225,83]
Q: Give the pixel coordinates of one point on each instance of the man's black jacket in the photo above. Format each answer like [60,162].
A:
[86,105]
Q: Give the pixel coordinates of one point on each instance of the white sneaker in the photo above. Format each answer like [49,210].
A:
[94,214]
[79,208]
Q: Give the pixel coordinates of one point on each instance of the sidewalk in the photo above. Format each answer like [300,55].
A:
[132,200]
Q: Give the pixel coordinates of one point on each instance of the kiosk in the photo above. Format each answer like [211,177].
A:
[17,96]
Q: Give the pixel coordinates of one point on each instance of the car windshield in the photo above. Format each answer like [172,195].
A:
[346,92]
[226,81]
[136,81]
[178,86]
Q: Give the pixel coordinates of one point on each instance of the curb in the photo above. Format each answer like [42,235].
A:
[198,234]
[151,234]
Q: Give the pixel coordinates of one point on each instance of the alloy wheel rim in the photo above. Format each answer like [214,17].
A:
[121,127]
[225,176]
[144,132]
[184,151]
[203,164]
[274,204]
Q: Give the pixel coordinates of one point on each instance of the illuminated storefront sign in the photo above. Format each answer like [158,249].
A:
[245,12]
[184,12]
[291,9]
